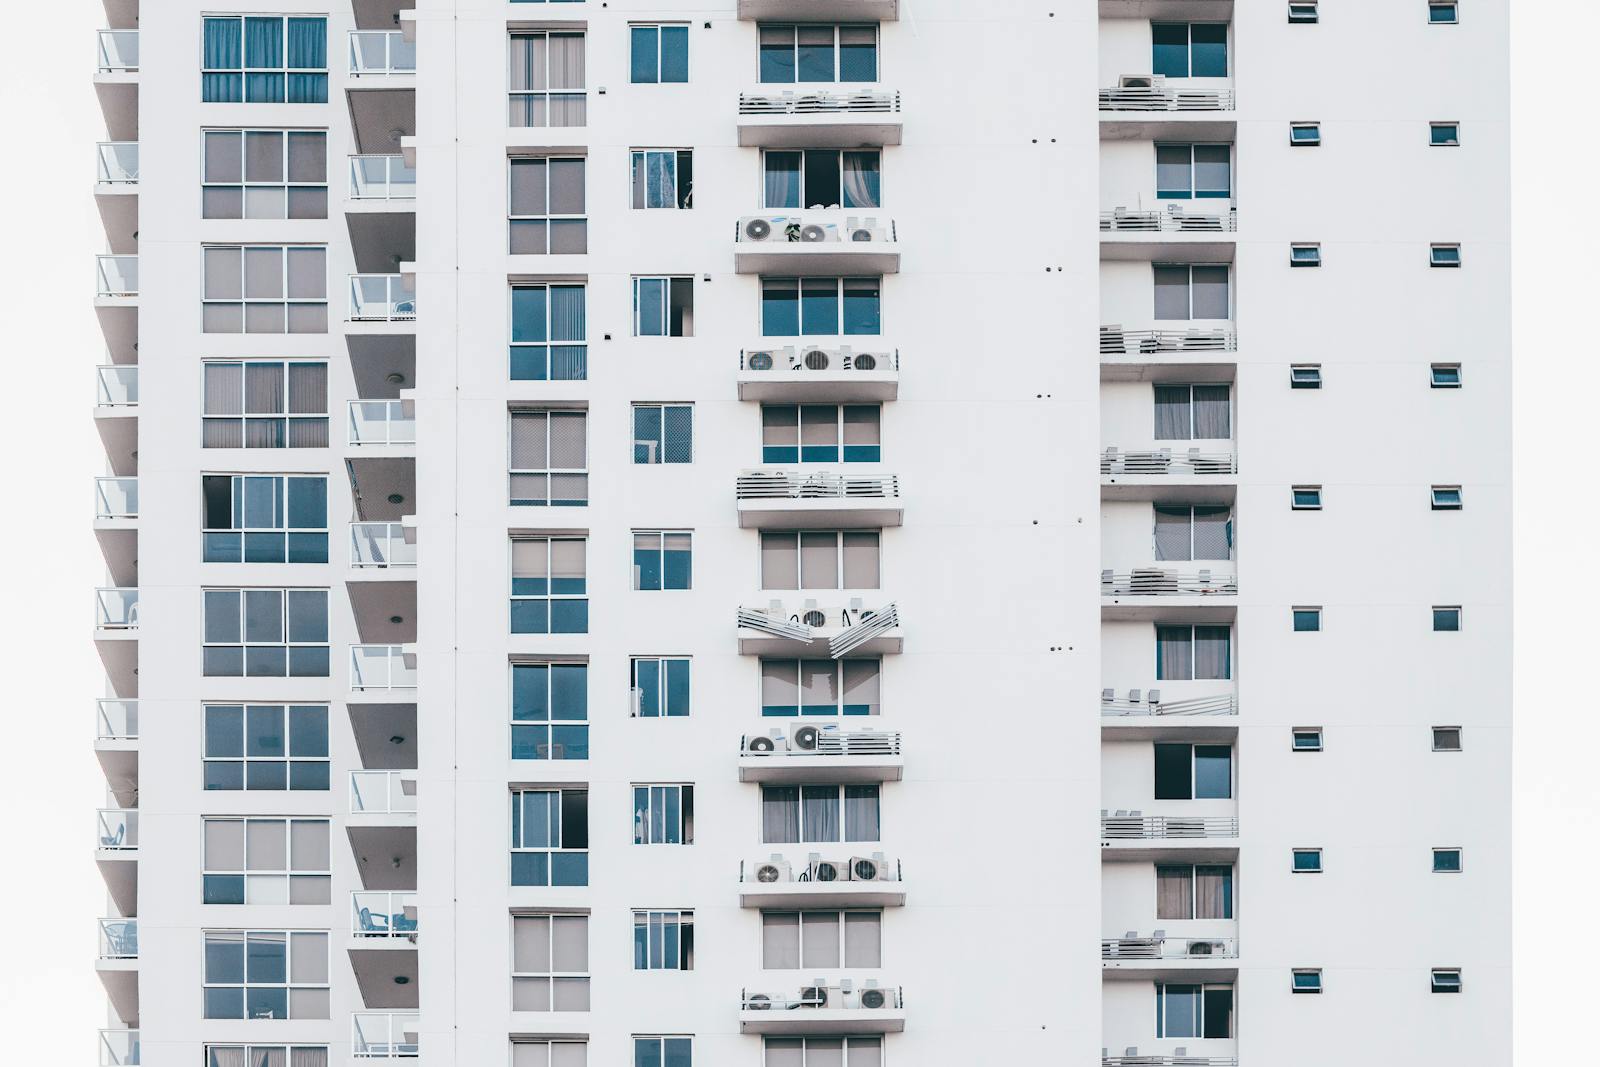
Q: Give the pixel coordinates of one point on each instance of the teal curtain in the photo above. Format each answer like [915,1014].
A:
[307,51]
[263,60]
[221,53]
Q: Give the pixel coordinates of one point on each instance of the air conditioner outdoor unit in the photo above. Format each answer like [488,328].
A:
[760,360]
[762,228]
[865,230]
[758,1002]
[865,361]
[816,359]
[1139,81]
[804,738]
[814,996]
[763,744]
[874,997]
[772,871]
[867,869]
[827,871]
[813,232]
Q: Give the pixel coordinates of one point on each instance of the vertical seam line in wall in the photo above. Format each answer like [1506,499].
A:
[455,520]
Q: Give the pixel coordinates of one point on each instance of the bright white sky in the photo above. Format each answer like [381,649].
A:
[50,1001]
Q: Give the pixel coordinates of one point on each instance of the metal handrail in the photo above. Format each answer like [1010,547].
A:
[382,667]
[1115,341]
[832,997]
[383,913]
[116,385]
[381,52]
[804,358]
[1157,581]
[381,422]
[1165,461]
[383,792]
[116,498]
[830,741]
[117,608]
[119,939]
[1166,827]
[816,227]
[116,720]
[117,829]
[1169,1061]
[117,162]
[854,625]
[1124,708]
[1168,947]
[820,102]
[381,544]
[1160,98]
[117,275]
[382,298]
[777,869]
[822,485]
[1171,220]
[384,1035]
[118,51]
[382,177]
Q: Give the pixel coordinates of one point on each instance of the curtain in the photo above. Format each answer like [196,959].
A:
[861,813]
[1213,533]
[1175,893]
[780,560]
[780,815]
[307,44]
[308,1057]
[865,1052]
[1212,412]
[819,693]
[860,560]
[224,389]
[861,687]
[1211,293]
[1173,533]
[221,50]
[1172,292]
[782,171]
[263,43]
[780,940]
[1172,413]
[566,61]
[307,433]
[861,179]
[819,813]
[819,940]
[271,1056]
[231,1056]
[819,560]
[263,388]
[1213,896]
[780,681]
[567,313]
[1174,653]
[1211,658]
[863,939]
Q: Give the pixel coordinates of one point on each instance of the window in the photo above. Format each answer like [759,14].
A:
[1193,772]
[547,206]
[822,1051]
[1306,980]
[1446,497]
[1307,861]
[1306,498]
[550,962]
[663,814]
[269,1055]
[265,861]
[550,837]
[1444,376]
[265,404]
[1302,11]
[264,174]
[1184,653]
[663,178]
[265,59]
[1200,532]
[820,307]
[1187,291]
[549,585]
[792,687]
[1444,980]
[810,559]
[791,814]
[1447,861]
[265,633]
[1444,256]
[819,53]
[1444,134]
[1305,376]
[259,974]
[822,178]
[1197,1011]
[663,940]
[272,518]
[266,746]
[548,330]
[1194,171]
[1305,254]
[663,433]
[1305,134]
[663,307]
[662,559]
[659,54]
[792,940]
[265,289]
[1447,739]
[1307,738]
[821,433]
[1446,620]
[547,79]
[660,687]
[1307,620]
[531,1052]
[1443,12]
[1193,413]
[1189,49]
[1190,891]
[655,1051]
[549,711]
[549,463]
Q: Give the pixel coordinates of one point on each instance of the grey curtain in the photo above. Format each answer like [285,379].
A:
[1172,413]
[1175,892]
[1213,533]
[1213,892]
[863,939]
[1211,658]
[1173,533]
[780,940]
[819,940]
[861,813]
[819,813]
[780,814]
[1174,653]
[782,171]
[1212,413]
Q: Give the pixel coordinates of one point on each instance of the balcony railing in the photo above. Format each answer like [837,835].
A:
[384,1035]
[116,276]
[118,51]
[1159,582]
[1172,220]
[116,829]
[868,997]
[117,163]
[822,485]
[821,740]
[1138,704]
[381,422]
[1178,1059]
[381,52]
[381,544]
[1115,341]
[1160,946]
[803,359]
[383,792]
[1151,93]
[383,914]
[382,298]
[116,498]
[119,939]
[854,625]
[816,227]
[119,1048]
[116,609]
[1164,461]
[374,177]
[116,386]
[779,871]
[116,720]
[382,667]
[820,102]
[1136,826]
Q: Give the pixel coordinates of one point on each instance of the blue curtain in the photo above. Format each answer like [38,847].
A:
[263,55]
[221,52]
[308,44]
[567,313]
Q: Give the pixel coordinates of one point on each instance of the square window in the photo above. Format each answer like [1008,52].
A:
[1445,981]
[1444,256]
[660,54]
[1444,376]
[1307,620]
[1305,134]
[1447,739]
[1446,620]
[1302,11]
[1305,254]
[1305,376]
[1443,12]
[1447,861]
[1307,739]
[1307,980]
[1307,861]
[1307,498]
[1446,498]
[1444,134]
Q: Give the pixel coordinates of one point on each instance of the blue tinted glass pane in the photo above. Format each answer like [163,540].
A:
[641,951]
[221,88]
[675,1052]
[1213,772]
[777,57]
[862,453]
[819,307]
[222,889]
[264,548]
[677,686]
[264,736]
[222,44]
[530,692]
[224,775]
[679,433]
[308,44]
[647,679]
[530,586]
[530,363]
[1447,861]
[1446,619]
[1182,1016]
[1208,50]
[308,548]
[674,53]
[647,435]
[1442,13]
[223,662]
[308,662]
[224,960]
[530,616]
[569,868]
[569,616]
[569,742]
[222,548]
[530,868]
[647,1052]
[862,314]
[1170,49]
[225,1003]
[1213,170]
[308,503]
[676,568]
[267,1003]
[266,960]
[780,310]
[1305,133]
[644,65]
[819,454]
[1174,171]
[308,731]
[569,691]
[1307,861]
[1443,135]
[780,454]
[263,88]
[266,775]
[529,313]
[858,62]
[1305,621]
[308,775]
[647,568]
[569,363]
[307,89]
[814,54]
[528,742]
[780,710]
[650,306]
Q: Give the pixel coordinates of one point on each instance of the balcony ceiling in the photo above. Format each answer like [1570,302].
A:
[377,114]
[374,604]
[375,479]
[382,240]
[375,726]
[378,14]
[386,856]
[1166,9]
[377,965]
[373,358]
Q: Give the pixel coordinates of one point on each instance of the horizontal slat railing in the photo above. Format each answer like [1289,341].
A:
[1169,1061]
[1166,461]
[872,624]
[1157,582]
[1161,98]
[802,359]
[1225,705]
[777,870]
[1166,827]
[1169,221]
[1167,947]
[822,485]
[822,102]
[1115,341]
[830,742]
[776,625]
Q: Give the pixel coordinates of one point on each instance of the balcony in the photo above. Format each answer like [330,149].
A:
[1153,92]
[824,1010]
[790,500]
[117,855]
[116,746]
[805,373]
[116,81]
[1161,956]
[116,611]
[119,1048]
[841,881]
[383,178]
[820,10]
[1167,715]
[118,966]
[1135,836]
[382,545]
[382,422]
[116,386]
[116,280]
[383,947]
[381,53]
[116,636]
[1146,592]
[116,193]
[383,915]
[806,630]
[385,792]
[118,165]
[819,118]
[379,298]
[1178,232]
[1164,475]
[116,720]
[808,752]
[117,831]
[1157,345]
[1179,1058]
[383,669]
[384,1035]
[116,500]
[816,243]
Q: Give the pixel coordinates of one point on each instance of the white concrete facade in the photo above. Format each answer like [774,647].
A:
[1001,505]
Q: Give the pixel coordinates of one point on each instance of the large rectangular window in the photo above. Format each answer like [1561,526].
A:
[658,54]
[663,433]
[1189,49]
[663,814]
[663,307]
[264,518]
[825,940]
[265,404]
[1193,772]
[1184,653]
[663,940]
[1194,171]
[265,633]
[549,711]
[819,559]
[1194,1011]
[791,687]
[549,585]
[537,1052]
[264,174]
[266,1056]
[1191,291]
[549,963]
[1193,412]
[549,328]
[550,837]
[656,1051]
[548,209]
[660,687]
[547,79]
[822,1052]
[266,746]
[815,52]
[265,861]
[663,178]
[820,307]
[1194,891]
[266,974]
[822,178]
[265,289]
[663,559]
[264,59]
[549,462]
[1197,532]
[792,814]
[821,433]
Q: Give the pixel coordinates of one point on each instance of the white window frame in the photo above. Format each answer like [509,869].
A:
[550,976]
[843,820]
[659,453]
[841,936]
[1305,376]
[243,71]
[1293,869]
[1194,643]
[1305,254]
[549,92]
[1453,6]
[839,289]
[645,830]
[1162,999]
[549,595]
[640,194]
[549,216]
[1441,499]
[549,851]
[839,444]
[289,985]
[655,923]
[668,285]
[1303,11]
[1436,382]
[1434,735]
[1194,192]
[794,52]
[660,551]
[1315,504]
[244,184]
[663,1039]
[245,417]
[253,875]
[550,342]
[244,759]
[250,1049]
[547,725]
[659,665]
[803,153]
[1305,134]
[1455,137]
[1437,850]
[245,302]
[1314,733]
[1297,609]
[1311,988]
[284,528]
[245,644]
[548,471]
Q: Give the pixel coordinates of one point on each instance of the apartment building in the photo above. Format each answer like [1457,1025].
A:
[615,527]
